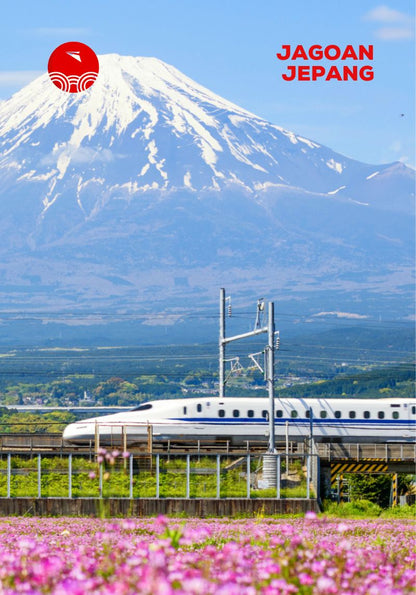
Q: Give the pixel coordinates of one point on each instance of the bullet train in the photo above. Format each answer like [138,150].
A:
[242,419]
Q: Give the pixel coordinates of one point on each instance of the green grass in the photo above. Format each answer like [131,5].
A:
[116,479]
[366,509]
[400,512]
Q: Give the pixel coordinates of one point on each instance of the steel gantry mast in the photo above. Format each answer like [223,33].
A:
[269,354]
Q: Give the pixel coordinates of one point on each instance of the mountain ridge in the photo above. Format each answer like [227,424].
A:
[125,101]
[150,184]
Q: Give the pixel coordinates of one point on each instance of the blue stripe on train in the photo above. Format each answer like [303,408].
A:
[294,420]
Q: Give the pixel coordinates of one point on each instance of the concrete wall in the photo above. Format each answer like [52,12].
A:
[121,507]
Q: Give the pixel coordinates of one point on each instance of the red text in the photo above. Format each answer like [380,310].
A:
[324,71]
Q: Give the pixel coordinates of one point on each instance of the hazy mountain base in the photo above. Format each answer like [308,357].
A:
[170,256]
[192,320]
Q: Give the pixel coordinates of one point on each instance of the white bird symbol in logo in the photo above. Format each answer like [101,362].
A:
[75,55]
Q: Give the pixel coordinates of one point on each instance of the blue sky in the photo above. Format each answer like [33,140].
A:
[230,47]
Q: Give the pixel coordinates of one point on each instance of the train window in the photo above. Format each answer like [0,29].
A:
[308,413]
[199,407]
[279,413]
[366,415]
[395,415]
[236,413]
[380,415]
[143,407]
[352,414]
[323,414]
[250,413]
[221,413]
[265,414]
[293,413]
[337,414]
[184,410]
[414,410]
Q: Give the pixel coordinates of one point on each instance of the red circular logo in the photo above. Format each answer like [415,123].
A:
[73,67]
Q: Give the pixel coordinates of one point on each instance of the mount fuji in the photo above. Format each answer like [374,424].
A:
[149,191]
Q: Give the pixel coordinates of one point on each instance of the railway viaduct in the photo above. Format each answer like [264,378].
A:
[326,474]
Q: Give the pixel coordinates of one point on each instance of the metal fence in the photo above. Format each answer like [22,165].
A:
[377,451]
[160,475]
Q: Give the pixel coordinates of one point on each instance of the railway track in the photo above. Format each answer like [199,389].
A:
[52,443]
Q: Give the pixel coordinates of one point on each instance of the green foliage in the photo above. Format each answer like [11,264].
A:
[116,479]
[129,376]
[394,381]
[376,488]
[367,509]
[356,509]
[174,535]
[54,421]
[400,512]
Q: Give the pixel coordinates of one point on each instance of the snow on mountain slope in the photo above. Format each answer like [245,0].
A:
[149,182]
[144,125]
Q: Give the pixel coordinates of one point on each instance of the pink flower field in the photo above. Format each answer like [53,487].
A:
[222,556]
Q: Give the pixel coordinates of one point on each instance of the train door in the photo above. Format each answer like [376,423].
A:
[411,418]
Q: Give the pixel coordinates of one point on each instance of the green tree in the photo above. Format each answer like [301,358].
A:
[376,488]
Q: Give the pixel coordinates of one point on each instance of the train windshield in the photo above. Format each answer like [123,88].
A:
[143,407]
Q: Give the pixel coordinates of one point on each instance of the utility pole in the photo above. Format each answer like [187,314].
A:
[221,371]
[270,376]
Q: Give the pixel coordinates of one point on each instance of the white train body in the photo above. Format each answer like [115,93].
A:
[242,419]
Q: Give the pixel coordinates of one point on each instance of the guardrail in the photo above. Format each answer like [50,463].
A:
[160,475]
[52,443]
[388,451]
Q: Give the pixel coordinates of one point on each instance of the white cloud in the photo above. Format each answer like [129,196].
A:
[397,25]
[384,14]
[397,149]
[396,146]
[87,155]
[78,155]
[393,33]
[337,314]
[406,160]
[10,78]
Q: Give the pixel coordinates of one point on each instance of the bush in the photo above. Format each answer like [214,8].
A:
[400,512]
[358,508]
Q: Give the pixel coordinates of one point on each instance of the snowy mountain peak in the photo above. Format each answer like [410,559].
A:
[160,129]
[148,186]
[146,126]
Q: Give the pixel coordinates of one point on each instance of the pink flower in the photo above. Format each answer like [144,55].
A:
[305,579]
[325,584]
[212,556]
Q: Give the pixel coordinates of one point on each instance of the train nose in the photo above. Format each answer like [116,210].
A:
[77,432]
[69,433]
